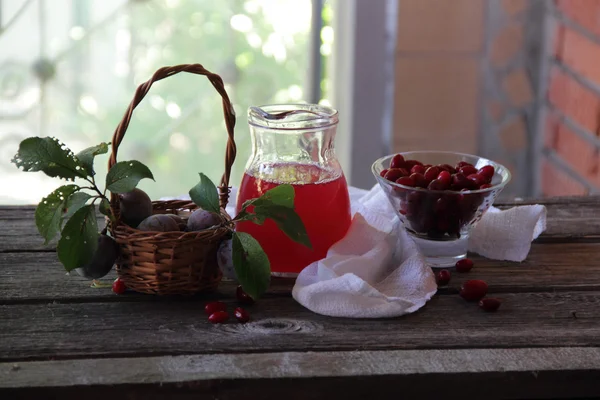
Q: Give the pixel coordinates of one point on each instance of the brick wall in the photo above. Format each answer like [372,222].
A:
[437,75]
[442,97]
[469,78]
[572,131]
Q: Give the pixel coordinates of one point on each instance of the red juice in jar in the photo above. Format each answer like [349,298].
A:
[322,202]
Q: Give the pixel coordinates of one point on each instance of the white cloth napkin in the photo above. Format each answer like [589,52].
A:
[376,270]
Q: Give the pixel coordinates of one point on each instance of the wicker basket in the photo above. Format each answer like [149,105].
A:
[171,263]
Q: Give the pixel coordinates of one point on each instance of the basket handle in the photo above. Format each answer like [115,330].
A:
[228,112]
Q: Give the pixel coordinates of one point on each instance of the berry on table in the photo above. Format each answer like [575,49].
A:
[218,317]
[243,297]
[214,306]
[473,290]
[489,304]
[118,286]
[442,277]
[241,315]
[464,265]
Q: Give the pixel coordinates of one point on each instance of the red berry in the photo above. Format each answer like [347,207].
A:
[406,181]
[447,167]
[382,173]
[397,161]
[473,290]
[440,206]
[214,306]
[411,163]
[218,317]
[445,178]
[489,304]
[243,297]
[477,179]
[118,286]
[431,173]
[436,184]
[464,265]
[442,277]
[241,315]
[418,169]
[395,173]
[468,170]
[462,164]
[419,179]
[459,182]
[485,186]
[487,171]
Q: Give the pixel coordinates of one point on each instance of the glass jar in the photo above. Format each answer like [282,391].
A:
[296,147]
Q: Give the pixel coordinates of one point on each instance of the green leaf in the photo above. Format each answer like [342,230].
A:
[79,239]
[49,156]
[124,176]
[287,220]
[282,195]
[251,264]
[74,203]
[104,207]
[205,195]
[86,156]
[50,210]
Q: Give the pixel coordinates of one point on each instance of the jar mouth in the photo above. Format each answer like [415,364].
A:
[301,116]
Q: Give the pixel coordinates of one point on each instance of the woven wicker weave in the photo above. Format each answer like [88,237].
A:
[172,262]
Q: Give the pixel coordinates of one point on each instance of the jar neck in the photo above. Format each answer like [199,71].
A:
[311,146]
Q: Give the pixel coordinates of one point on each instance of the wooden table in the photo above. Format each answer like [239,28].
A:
[59,338]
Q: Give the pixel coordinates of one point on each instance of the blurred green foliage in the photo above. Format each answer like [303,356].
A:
[259,47]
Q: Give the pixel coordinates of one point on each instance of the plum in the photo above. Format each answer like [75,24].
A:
[135,207]
[225,259]
[202,219]
[181,223]
[103,260]
[158,223]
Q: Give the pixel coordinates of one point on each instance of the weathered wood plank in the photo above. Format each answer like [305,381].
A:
[499,373]
[568,218]
[27,277]
[18,231]
[83,330]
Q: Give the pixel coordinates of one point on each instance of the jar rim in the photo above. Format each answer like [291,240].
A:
[316,116]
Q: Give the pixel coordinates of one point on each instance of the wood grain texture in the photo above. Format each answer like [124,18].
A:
[38,277]
[569,218]
[18,231]
[82,330]
[228,376]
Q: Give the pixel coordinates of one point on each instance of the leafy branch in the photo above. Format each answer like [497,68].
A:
[250,262]
[69,209]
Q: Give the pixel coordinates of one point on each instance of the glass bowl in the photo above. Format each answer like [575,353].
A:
[440,220]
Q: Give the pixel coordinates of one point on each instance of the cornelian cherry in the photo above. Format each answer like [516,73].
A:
[418,169]
[218,317]
[473,290]
[445,178]
[464,265]
[431,173]
[243,297]
[442,277]
[489,304]
[118,286]
[397,161]
[419,179]
[241,315]
[214,306]
[487,171]
[406,181]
